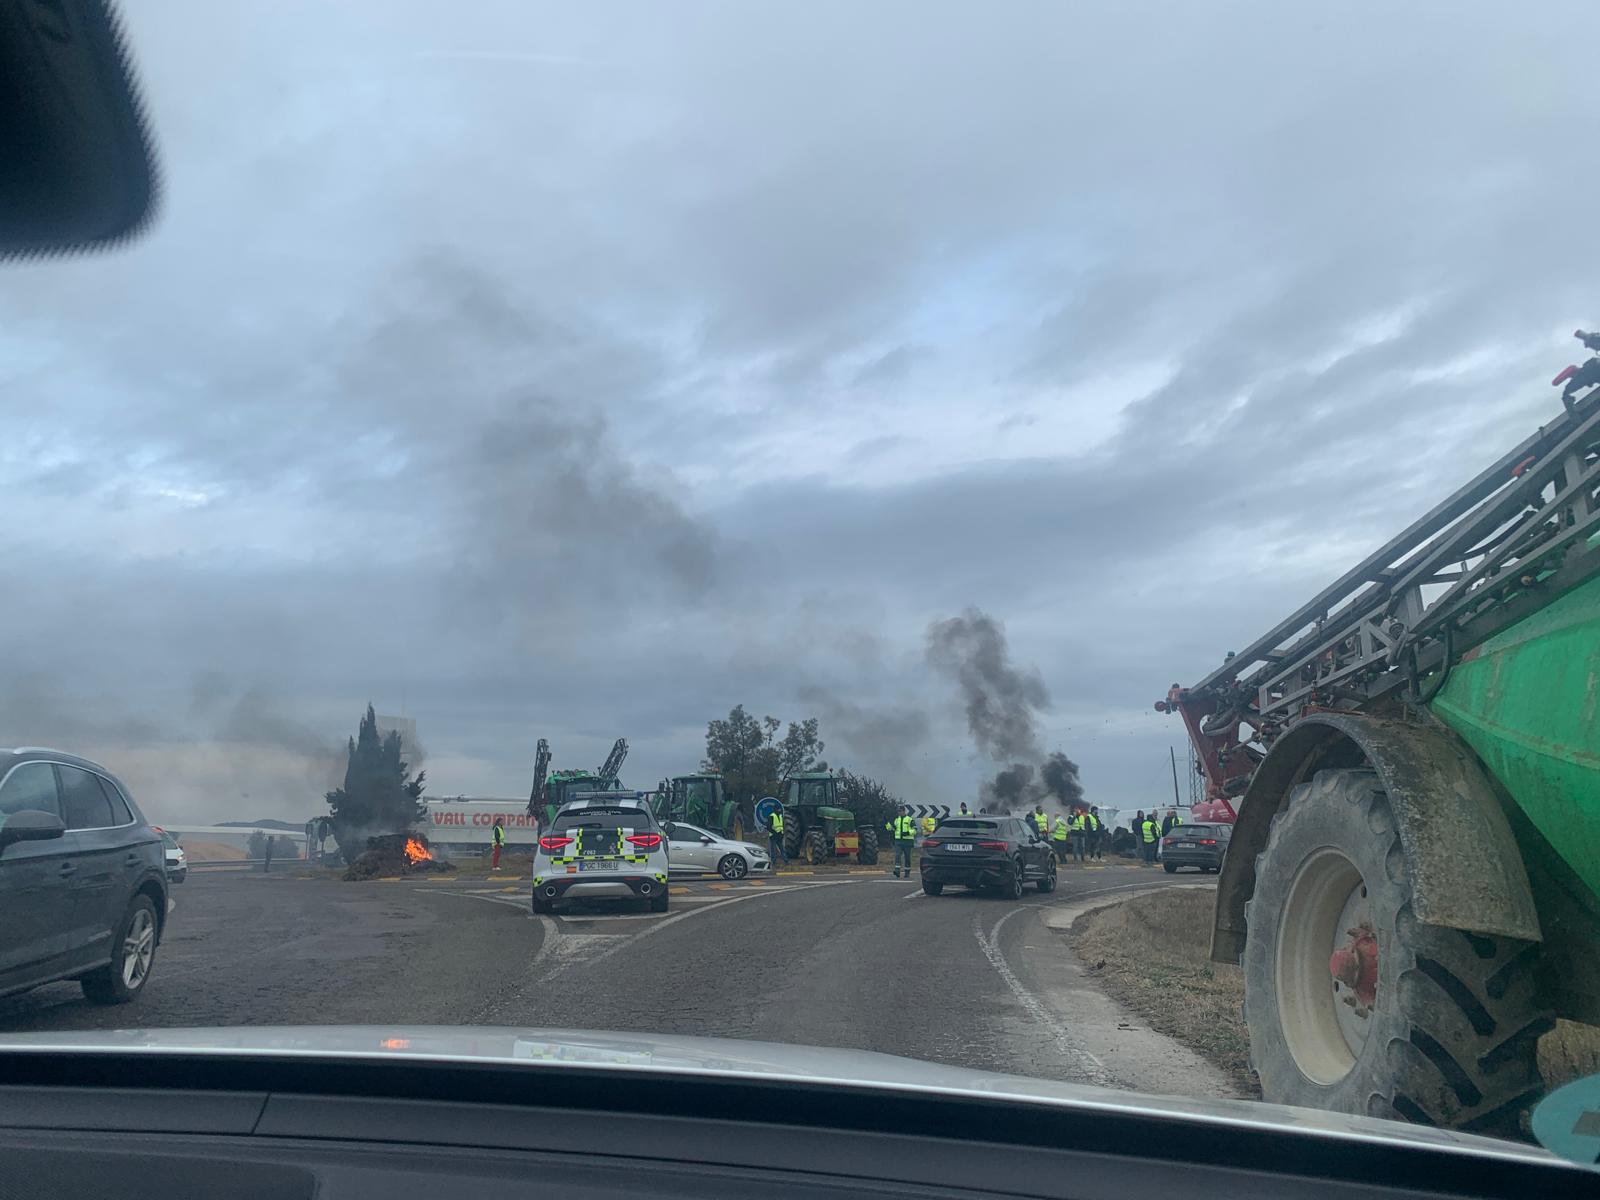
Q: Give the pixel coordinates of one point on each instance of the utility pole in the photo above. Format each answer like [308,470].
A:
[1173,754]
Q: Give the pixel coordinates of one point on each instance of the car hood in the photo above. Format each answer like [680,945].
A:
[669,1054]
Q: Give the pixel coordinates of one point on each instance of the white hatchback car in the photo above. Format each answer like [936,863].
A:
[603,846]
[693,851]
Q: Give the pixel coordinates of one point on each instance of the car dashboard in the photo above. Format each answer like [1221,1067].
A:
[283,1127]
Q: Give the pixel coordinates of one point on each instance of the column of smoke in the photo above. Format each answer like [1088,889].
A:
[1002,702]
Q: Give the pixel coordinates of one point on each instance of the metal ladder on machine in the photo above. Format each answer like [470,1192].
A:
[1513,539]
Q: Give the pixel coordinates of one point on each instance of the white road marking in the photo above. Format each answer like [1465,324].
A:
[1090,1067]
[913,895]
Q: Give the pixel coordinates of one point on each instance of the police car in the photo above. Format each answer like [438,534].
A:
[602,845]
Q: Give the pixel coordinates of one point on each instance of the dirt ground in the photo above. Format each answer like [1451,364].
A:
[1150,953]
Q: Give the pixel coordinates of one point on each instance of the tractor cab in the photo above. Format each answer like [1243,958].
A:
[563,786]
[702,800]
[816,829]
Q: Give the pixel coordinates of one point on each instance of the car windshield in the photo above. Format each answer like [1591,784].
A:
[775,414]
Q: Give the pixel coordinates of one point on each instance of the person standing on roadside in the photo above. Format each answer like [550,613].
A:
[1080,835]
[1059,834]
[775,837]
[498,835]
[266,854]
[1150,838]
[903,828]
[1097,832]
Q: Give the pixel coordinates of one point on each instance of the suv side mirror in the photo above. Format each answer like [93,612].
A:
[705,841]
[30,825]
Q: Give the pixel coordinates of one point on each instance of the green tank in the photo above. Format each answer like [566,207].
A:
[1528,703]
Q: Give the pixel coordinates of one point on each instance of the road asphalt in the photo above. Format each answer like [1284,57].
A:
[852,959]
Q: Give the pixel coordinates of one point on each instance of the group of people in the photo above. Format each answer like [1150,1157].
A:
[1082,835]
[1149,829]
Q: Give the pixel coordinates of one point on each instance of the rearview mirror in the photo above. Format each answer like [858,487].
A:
[76,166]
[30,825]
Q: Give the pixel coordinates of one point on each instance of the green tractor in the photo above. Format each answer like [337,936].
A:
[706,800]
[552,789]
[816,829]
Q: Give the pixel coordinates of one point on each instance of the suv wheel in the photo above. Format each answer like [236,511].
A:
[1011,889]
[659,903]
[1047,882]
[133,954]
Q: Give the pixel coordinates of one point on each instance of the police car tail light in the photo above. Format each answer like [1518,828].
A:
[645,841]
[554,843]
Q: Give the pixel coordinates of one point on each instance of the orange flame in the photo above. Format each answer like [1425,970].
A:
[416,852]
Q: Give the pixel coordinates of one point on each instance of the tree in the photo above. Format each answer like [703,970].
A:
[871,802]
[801,749]
[284,846]
[741,748]
[379,796]
[256,844]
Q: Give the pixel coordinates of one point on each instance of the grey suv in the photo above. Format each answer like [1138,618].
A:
[83,887]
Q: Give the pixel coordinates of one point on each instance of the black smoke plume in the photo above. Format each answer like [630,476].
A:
[1002,700]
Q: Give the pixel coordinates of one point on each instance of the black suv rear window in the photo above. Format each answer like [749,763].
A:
[1193,831]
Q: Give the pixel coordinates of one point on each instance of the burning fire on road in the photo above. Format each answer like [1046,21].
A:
[393,854]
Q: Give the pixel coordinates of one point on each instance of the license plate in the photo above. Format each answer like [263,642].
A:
[957,846]
[1184,846]
[597,866]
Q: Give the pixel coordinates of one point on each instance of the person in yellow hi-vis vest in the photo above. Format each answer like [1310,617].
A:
[929,824]
[1058,838]
[903,828]
[1080,835]
[775,837]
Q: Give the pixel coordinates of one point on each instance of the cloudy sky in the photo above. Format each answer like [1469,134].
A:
[582,370]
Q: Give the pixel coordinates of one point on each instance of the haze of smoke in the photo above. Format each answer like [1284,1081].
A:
[233,755]
[1002,700]
[1059,775]
[881,735]
[1009,790]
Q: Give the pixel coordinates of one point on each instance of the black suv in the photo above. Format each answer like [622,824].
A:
[83,885]
[987,852]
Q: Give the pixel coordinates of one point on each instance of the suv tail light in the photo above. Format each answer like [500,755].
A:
[1207,841]
[931,843]
[554,843]
[993,846]
[645,841]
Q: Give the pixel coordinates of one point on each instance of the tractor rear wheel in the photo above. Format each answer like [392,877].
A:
[1355,1005]
[817,848]
[868,854]
[791,837]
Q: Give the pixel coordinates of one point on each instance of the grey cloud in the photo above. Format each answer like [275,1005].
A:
[593,389]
